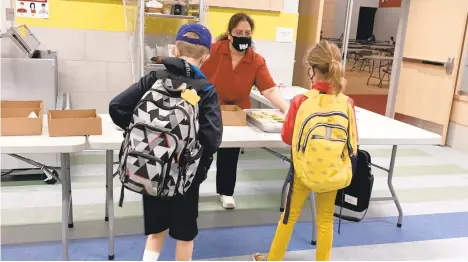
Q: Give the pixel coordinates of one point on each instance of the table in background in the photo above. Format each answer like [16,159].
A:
[44,144]
[381,64]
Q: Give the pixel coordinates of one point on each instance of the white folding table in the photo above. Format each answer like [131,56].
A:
[43,144]
[111,139]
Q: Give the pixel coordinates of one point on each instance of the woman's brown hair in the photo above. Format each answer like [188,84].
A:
[233,22]
[326,57]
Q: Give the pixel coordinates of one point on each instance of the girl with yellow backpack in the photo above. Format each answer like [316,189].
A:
[321,128]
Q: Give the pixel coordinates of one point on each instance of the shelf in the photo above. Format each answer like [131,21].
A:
[263,5]
[153,67]
[171,16]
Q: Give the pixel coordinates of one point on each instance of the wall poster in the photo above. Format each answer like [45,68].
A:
[32,9]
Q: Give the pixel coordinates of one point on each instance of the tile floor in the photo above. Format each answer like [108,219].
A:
[431,182]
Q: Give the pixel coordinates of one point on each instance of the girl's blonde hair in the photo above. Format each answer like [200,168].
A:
[326,57]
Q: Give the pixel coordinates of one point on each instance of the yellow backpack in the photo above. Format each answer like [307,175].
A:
[324,141]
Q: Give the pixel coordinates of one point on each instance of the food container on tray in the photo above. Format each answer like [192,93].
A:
[265,124]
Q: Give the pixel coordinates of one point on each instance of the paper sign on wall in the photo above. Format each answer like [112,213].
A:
[284,34]
[32,9]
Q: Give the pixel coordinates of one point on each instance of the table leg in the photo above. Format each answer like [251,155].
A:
[380,68]
[110,199]
[372,73]
[66,198]
[70,203]
[106,211]
[390,185]
[314,220]
[394,197]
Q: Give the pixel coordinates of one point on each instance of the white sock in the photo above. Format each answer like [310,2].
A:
[149,256]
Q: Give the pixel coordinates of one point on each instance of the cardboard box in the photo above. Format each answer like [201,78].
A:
[15,121]
[233,116]
[21,104]
[74,122]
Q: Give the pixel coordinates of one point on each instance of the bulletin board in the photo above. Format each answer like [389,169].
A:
[32,9]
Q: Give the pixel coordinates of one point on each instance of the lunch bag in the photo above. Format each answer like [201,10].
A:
[355,198]
[160,153]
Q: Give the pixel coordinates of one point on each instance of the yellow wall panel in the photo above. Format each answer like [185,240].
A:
[108,15]
[112,16]
[85,15]
[265,22]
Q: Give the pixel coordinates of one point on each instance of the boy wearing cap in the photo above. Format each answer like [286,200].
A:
[178,216]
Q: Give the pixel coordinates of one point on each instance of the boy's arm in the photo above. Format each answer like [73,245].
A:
[211,124]
[122,106]
[211,130]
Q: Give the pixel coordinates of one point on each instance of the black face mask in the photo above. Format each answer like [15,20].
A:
[241,44]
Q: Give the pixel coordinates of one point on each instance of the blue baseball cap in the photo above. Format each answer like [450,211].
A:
[202,31]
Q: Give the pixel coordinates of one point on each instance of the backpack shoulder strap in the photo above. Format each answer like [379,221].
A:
[312,93]
[342,97]
[161,74]
[197,84]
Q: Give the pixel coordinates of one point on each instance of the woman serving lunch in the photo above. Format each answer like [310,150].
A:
[234,68]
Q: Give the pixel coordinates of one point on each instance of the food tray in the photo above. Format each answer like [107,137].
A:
[267,120]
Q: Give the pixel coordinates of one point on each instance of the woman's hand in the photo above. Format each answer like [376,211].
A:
[275,97]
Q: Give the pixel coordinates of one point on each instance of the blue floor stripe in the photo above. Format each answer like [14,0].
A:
[237,241]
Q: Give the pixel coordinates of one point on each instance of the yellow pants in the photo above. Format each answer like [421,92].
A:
[325,205]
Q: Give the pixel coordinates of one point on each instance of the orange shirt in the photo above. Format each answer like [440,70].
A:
[234,86]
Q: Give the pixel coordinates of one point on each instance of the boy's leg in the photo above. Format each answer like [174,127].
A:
[154,244]
[284,231]
[184,250]
[157,218]
[184,226]
[325,203]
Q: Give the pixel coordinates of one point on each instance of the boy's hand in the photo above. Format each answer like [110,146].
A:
[157,59]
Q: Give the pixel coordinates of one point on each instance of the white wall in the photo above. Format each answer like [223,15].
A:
[4,25]
[386,22]
[290,6]
[340,18]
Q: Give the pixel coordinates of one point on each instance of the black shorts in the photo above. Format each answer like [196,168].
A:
[179,215]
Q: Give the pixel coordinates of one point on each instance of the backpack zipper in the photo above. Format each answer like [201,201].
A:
[301,131]
[319,125]
[171,157]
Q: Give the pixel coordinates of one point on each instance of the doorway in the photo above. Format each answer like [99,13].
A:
[365,27]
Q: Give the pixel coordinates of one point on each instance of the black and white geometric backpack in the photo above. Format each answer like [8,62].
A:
[160,153]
